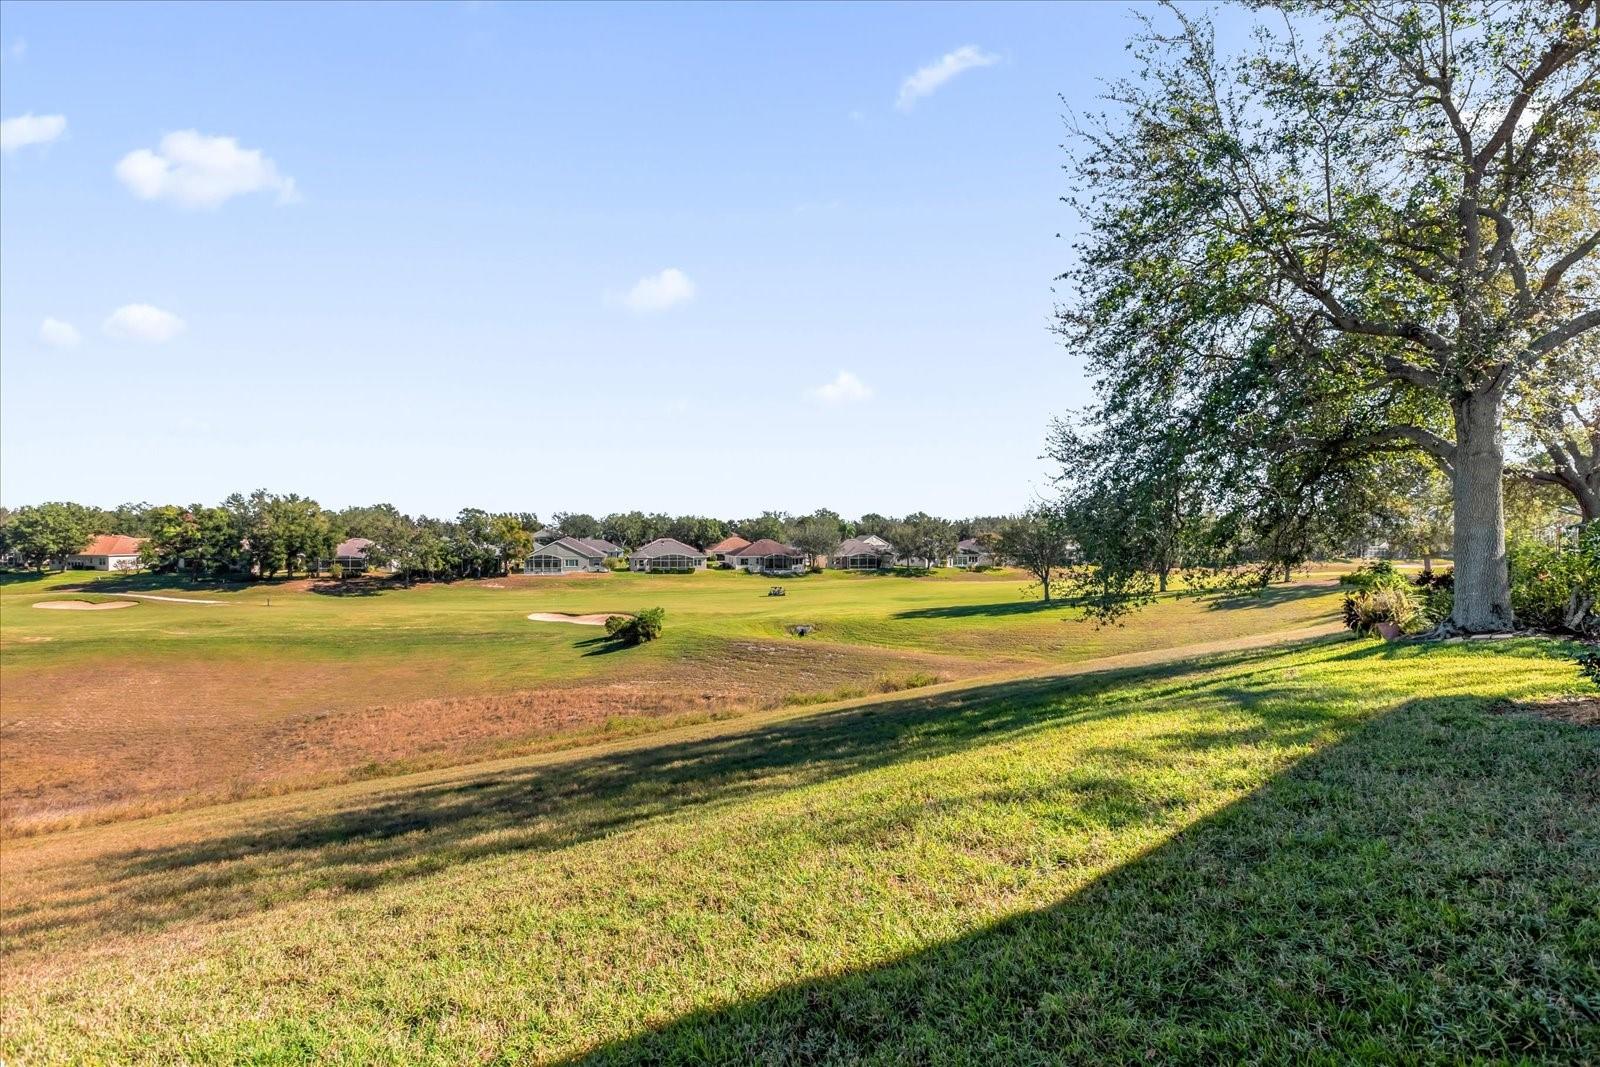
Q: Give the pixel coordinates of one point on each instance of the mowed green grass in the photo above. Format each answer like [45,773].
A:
[112,714]
[481,631]
[1341,851]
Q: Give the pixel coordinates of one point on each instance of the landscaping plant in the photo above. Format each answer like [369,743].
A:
[645,626]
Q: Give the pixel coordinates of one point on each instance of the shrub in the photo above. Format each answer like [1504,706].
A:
[1379,574]
[1438,602]
[1365,610]
[1557,590]
[1589,665]
[648,623]
[645,626]
[1431,580]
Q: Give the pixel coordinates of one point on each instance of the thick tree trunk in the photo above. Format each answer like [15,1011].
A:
[1482,583]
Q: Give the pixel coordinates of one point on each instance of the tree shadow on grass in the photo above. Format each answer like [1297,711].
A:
[154,582]
[1000,609]
[404,835]
[1418,891]
[353,587]
[1266,597]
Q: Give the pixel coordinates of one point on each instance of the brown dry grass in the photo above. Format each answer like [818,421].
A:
[1579,711]
[139,739]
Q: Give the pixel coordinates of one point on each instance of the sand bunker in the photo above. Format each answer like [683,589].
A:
[84,605]
[581,620]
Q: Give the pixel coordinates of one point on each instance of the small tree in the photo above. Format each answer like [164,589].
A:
[645,626]
[816,535]
[925,537]
[507,536]
[1040,542]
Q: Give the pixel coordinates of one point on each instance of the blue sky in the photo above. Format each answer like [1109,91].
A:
[706,259]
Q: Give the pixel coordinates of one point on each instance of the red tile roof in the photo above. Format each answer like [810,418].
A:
[112,545]
[728,544]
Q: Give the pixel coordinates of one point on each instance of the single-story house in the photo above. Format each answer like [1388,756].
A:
[870,553]
[351,555]
[970,553]
[565,555]
[666,554]
[107,552]
[767,556]
[602,545]
[729,544]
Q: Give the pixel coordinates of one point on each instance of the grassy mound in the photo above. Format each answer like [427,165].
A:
[1343,851]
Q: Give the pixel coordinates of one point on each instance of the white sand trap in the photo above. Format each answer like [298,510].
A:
[170,599]
[84,605]
[580,620]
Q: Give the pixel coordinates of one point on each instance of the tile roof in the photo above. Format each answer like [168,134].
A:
[112,545]
[864,546]
[728,544]
[355,546]
[665,546]
[768,547]
[573,544]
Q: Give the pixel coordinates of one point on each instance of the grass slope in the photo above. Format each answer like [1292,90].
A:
[1337,852]
[281,687]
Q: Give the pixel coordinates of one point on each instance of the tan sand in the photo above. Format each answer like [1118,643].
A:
[84,605]
[580,620]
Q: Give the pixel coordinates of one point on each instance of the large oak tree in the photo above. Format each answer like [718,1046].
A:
[1368,232]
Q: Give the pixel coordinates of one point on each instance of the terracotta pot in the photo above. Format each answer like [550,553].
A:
[1388,631]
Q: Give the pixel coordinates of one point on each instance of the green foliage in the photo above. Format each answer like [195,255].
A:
[1556,589]
[923,541]
[1378,574]
[645,626]
[1039,541]
[771,524]
[1363,611]
[816,534]
[1305,272]
[47,533]
[1589,665]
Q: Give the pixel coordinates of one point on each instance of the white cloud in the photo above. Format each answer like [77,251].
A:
[58,334]
[929,78]
[658,292]
[142,322]
[844,389]
[193,170]
[30,129]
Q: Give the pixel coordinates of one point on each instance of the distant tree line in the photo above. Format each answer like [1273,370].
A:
[270,534]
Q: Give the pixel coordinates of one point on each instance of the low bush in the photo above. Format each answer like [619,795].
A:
[1379,574]
[645,626]
[1363,611]
[1431,580]
[1589,665]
